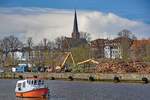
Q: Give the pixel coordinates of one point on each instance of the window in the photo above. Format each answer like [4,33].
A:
[24,84]
[29,82]
[42,82]
[19,85]
[39,82]
[35,82]
[32,82]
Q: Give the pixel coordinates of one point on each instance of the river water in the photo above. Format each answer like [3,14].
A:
[71,90]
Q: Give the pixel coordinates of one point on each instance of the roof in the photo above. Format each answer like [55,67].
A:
[98,42]
[118,41]
[139,43]
[106,42]
[76,42]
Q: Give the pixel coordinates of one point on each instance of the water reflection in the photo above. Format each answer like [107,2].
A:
[48,98]
[32,99]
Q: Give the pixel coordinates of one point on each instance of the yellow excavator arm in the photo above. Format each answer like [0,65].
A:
[62,65]
[68,54]
[89,60]
[72,59]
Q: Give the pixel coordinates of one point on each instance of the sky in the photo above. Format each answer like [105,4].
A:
[52,18]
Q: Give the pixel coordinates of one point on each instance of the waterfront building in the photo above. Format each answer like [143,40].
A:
[140,48]
[98,47]
[110,48]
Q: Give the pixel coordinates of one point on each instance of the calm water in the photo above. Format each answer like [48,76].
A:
[67,90]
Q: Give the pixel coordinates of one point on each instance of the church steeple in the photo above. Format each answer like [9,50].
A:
[75,33]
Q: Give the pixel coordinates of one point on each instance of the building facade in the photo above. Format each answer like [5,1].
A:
[114,48]
[107,48]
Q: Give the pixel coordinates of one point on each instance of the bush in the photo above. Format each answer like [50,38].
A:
[77,69]
[146,59]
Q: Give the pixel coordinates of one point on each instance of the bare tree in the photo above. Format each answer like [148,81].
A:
[29,42]
[50,45]
[5,46]
[125,33]
[29,46]
[10,44]
[126,37]
[43,52]
[59,42]
[125,45]
[45,43]
[134,37]
[81,53]
[85,35]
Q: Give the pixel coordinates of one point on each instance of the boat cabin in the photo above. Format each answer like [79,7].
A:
[31,83]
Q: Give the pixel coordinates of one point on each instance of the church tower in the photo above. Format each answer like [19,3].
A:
[75,33]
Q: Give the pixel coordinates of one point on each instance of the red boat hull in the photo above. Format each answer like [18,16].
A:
[39,93]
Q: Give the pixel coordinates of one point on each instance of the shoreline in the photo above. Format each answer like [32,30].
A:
[98,77]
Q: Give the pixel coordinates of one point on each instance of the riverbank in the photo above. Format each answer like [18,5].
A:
[135,78]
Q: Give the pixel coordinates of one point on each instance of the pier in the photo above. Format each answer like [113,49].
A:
[135,78]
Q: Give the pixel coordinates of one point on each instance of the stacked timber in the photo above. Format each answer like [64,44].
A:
[123,67]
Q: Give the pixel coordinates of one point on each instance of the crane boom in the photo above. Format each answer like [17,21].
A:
[89,60]
[63,63]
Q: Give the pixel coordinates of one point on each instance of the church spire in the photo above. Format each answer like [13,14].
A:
[75,33]
[75,26]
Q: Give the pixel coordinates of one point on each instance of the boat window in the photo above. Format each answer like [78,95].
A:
[28,81]
[24,84]
[42,82]
[32,81]
[39,82]
[19,84]
[35,82]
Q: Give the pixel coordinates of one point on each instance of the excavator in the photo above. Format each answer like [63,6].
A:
[69,54]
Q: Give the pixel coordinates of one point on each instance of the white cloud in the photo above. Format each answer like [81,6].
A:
[50,23]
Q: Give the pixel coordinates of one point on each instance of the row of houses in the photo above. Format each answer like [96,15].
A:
[104,48]
[114,48]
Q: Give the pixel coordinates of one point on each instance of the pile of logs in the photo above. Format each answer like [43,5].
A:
[123,67]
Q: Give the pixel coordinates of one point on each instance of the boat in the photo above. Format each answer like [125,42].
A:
[31,88]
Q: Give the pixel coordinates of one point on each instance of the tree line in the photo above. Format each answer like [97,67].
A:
[43,54]
[43,51]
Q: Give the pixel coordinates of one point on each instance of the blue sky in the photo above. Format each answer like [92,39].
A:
[131,9]
[52,18]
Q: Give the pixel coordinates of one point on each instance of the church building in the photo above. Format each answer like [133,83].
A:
[75,40]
